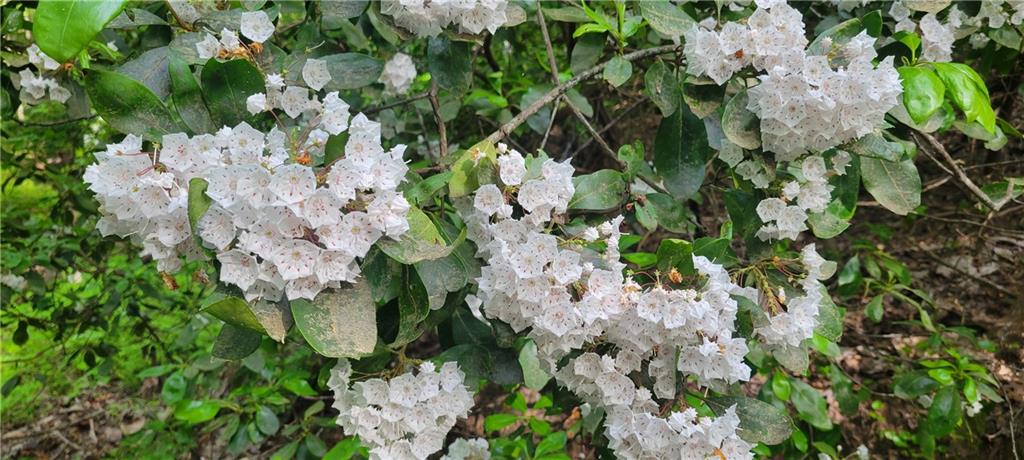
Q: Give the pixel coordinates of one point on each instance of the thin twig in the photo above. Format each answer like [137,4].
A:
[612,123]
[956,171]
[407,100]
[537,105]
[436,107]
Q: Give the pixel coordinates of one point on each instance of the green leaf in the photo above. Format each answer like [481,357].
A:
[63,28]
[680,151]
[266,420]
[128,106]
[150,69]
[450,273]
[567,14]
[286,452]
[340,323]
[174,388]
[351,70]
[1006,36]
[968,91]
[586,52]
[739,124]
[875,146]
[344,450]
[759,421]
[235,343]
[781,386]
[830,320]
[232,310]
[943,376]
[423,241]
[413,307]
[555,442]
[188,98]
[196,412]
[198,204]
[842,387]
[665,17]
[836,36]
[226,86]
[450,64]
[534,377]
[139,17]
[600,191]
[702,97]
[971,390]
[945,412]
[496,422]
[911,385]
[617,71]
[923,92]
[466,169]
[810,405]
[873,23]
[669,213]
[875,308]
[333,12]
[298,385]
[662,87]
[896,185]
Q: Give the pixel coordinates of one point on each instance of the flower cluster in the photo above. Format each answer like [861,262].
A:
[426,18]
[277,225]
[407,417]
[35,84]
[811,194]
[569,291]
[255,25]
[803,102]
[399,73]
[791,327]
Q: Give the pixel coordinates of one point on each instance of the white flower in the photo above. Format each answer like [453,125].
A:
[256,26]
[315,73]
[293,183]
[208,47]
[257,103]
[399,73]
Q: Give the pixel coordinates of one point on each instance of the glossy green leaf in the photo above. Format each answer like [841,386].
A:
[911,385]
[497,422]
[340,323]
[895,184]
[781,386]
[413,307]
[680,151]
[875,308]
[586,52]
[968,91]
[923,92]
[62,28]
[150,69]
[226,86]
[196,412]
[128,106]
[599,191]
[232,310]
[945,412]
[188,98]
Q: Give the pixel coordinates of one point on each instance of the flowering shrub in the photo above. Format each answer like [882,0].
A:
[404,224]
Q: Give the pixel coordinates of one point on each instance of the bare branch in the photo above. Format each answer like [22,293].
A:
[954,169]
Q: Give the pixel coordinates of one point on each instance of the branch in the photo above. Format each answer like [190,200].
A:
[596,136]
[373,110]
[519,119]
[441,132]
[956,170]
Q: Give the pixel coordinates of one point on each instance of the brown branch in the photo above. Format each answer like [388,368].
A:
[436,107]
[559,90]
[954,169]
